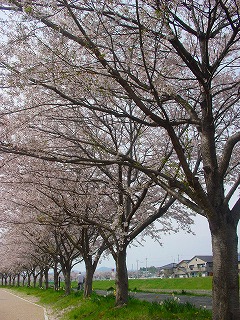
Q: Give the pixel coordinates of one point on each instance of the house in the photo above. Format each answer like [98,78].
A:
[167,270]
[197,266]
[181,269]
[200,266]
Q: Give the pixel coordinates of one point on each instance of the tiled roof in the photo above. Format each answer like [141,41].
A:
[204,258]
[185,260]
[168,266]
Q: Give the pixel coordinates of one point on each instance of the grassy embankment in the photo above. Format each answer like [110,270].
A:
[74,306]
[186,284]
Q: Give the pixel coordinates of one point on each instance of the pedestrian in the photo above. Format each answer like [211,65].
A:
[80,281]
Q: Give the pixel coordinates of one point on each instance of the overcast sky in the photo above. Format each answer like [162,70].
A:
[176,247]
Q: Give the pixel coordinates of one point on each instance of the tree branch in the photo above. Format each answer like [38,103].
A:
[227,153]
[236,211]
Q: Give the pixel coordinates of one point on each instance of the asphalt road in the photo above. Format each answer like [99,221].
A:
[13,307]
[198,301]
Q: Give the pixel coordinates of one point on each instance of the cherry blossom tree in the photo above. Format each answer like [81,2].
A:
[114,202]
[176,63]
[44,199]
[126,193]
[20,258]
[121,203]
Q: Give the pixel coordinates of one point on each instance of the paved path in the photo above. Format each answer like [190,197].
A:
[198,301]
[13,307]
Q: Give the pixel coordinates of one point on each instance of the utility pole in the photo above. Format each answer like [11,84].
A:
[137,269]
[146,267]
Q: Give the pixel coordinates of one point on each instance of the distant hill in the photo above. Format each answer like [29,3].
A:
[104,269]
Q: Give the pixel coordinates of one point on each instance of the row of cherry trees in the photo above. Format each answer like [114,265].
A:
[23,263]
[144,95]
[62,213]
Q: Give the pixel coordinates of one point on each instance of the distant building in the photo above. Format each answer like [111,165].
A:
[200,266]
[195,267]
[167,270]
[181,270]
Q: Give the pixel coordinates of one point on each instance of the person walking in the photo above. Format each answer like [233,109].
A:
[80,281]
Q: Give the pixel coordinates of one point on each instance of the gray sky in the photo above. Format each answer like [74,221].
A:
[175,247]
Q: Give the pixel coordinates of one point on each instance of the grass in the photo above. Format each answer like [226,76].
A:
[103,308]
[198,283]
[75,307]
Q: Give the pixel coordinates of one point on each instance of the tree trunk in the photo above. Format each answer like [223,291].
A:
[29,280]
[121,278]
[18,280]
[40,280]
[34,281]
[88,279]
[225,271]
[55,277]
[67,280]
[46,269]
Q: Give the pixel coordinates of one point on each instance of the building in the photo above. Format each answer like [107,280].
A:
[181,270]
[167,270]
[200,266]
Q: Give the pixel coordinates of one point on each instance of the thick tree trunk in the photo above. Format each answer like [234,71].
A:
[225,272]
[29,280]
[34,280]
[121,278]
[88,279]
[40,280]
[67,280]
[55,274]
[46,277]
